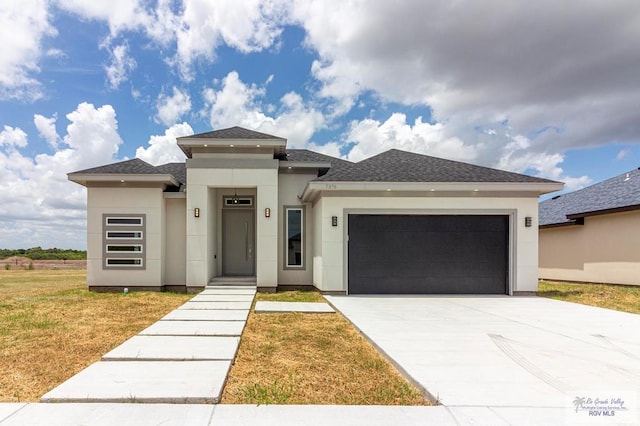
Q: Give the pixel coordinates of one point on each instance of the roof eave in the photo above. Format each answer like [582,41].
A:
[85,178]
[187,143]
[538,188]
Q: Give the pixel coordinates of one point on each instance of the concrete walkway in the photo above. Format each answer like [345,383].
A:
[272,415]
[184,358]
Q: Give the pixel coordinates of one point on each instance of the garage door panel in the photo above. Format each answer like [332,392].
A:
[428,254]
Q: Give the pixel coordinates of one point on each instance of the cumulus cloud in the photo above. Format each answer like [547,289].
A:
[38,203]
[23,26]
[47,129]
[172,108]
[566,67]
[373,137]
[120,67]
[163,149]
[119,14]
[13,137]
[237,103]
[199,27]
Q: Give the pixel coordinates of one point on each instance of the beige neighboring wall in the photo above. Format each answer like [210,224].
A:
[603,250]
[117,200]
[329,253]
[175,241]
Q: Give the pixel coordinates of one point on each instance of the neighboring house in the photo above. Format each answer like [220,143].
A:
[589,235]
[244,205]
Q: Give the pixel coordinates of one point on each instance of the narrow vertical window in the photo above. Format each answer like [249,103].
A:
[294,237]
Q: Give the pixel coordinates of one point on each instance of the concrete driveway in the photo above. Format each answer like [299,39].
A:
[503,351]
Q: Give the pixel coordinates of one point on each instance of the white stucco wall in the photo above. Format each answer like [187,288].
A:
[175,241]
[330,256]
[147,201]
[200,268]
[603,250]
[290,186]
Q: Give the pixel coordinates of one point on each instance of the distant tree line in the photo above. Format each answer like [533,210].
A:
[38,253]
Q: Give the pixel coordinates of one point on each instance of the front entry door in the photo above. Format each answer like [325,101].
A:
[238,242]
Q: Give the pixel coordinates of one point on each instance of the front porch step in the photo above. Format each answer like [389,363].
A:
[232,281]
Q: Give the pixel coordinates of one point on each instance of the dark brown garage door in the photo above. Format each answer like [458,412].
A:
[425,254]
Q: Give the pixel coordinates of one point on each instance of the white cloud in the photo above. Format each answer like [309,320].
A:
[201,26]
[120,67]
[38,203]
[163,149]
[13,137]
[239,104]
[119,14]
[23,26]
[47,129]
[172,108]
[563,73]
[622,154]
[373,137]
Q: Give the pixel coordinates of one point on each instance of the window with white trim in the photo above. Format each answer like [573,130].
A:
[294,237]
[123,241]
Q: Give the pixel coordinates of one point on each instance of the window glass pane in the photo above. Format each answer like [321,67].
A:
[123,234]
[124,221]
[294,237]
[125,262]
[129,249]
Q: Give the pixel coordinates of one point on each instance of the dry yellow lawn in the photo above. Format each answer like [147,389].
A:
[51,327]
[611,296]
[295,358]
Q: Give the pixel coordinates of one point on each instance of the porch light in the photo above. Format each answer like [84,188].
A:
[334,220]
[267,212]
[196,212]
[528,221]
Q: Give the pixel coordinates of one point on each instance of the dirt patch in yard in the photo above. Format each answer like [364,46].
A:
[295,358]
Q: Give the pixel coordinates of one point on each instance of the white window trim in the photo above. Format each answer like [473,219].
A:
[124,238]
[286,238]
[120,265]
[124,251]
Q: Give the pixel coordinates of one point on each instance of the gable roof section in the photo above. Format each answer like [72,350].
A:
[619,193]
[235,132]
[128,170]
[402,166]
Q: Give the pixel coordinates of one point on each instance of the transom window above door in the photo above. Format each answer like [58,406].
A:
[238,201]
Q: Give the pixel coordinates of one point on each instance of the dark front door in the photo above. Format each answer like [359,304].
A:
[428,254]
[238,242]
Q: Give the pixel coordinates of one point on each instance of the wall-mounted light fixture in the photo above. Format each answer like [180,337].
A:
[528,221]
[196,212]
[334,220]
[267,212]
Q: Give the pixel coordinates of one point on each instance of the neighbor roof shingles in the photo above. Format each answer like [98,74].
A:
[401,166]
[615,193]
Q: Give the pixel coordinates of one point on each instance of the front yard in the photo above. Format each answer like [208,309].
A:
[611,296]
[51,327]
[295,358]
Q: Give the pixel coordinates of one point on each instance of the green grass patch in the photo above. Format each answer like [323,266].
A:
[611,296]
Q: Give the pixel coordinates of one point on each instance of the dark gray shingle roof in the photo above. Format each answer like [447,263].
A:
[615,193]
[234,133]
[133,167]
[304,155]
[178,170]
[401,166]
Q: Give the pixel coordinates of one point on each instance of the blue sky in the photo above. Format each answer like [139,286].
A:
[545,88]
